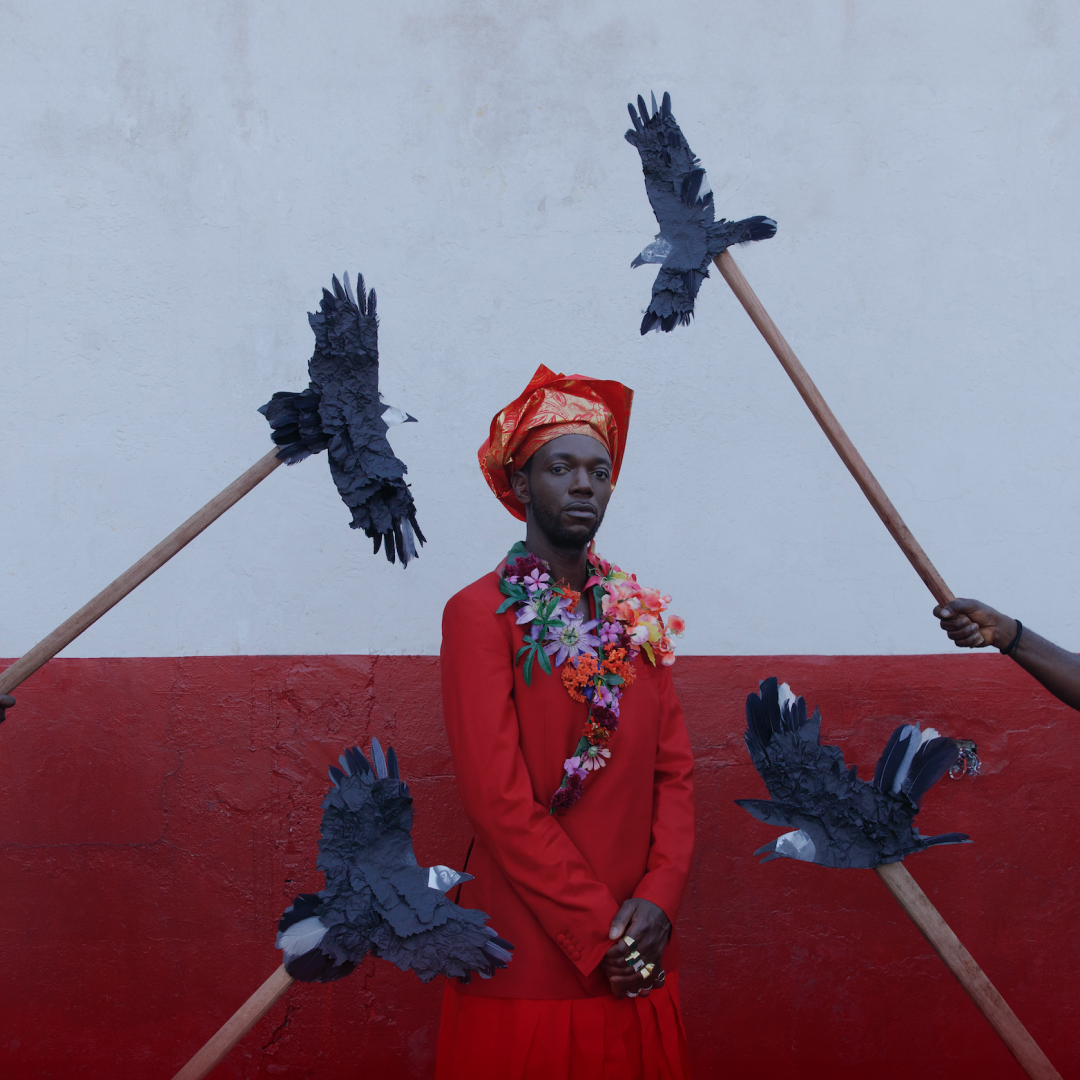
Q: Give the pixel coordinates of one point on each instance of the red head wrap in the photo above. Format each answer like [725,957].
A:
[553,405]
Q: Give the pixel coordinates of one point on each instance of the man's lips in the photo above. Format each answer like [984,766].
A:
[580,512]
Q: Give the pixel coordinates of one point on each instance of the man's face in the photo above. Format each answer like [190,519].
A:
[566,489]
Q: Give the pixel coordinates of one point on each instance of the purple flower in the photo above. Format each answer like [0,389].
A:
[567,795]
[536,580]
[572,767]
[610,633]
[572,639]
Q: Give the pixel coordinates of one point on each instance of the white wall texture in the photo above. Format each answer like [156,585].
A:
[178,181]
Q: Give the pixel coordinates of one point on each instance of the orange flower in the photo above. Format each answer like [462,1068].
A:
[576,675]
[573,598]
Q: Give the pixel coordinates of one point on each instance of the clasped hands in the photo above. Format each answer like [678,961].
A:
[648,928]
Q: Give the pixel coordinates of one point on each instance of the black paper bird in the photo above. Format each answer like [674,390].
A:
[689,237]
[839,820]
[342,411]
[377,899]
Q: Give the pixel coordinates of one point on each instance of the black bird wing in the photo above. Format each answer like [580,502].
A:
[377,899]
[344,370]
[673,176]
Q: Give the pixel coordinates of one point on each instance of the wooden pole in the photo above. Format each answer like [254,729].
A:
[153,560]
[234,1029]
[968,974]
[833,431]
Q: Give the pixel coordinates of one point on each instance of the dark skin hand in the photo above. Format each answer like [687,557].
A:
[6,702]
[974,625]
[647,924]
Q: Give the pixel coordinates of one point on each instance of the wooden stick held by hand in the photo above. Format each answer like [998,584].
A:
[968,974]
[153,560]
[237,1026]
[833,431]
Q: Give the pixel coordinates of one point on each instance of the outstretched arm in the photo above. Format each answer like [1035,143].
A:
[974,625]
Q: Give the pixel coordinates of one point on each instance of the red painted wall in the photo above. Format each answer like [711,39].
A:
[157,815]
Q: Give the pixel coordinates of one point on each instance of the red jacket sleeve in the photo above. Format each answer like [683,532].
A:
[672,842]
[539,860]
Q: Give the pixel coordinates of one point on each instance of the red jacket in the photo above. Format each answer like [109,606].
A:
[552,885]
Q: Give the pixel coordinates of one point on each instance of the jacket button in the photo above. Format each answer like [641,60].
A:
[560,938]
[575,955]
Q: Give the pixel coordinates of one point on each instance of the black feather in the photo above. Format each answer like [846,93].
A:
[890,759]
[843,821]
[341,412]
[690,237]
[931,762]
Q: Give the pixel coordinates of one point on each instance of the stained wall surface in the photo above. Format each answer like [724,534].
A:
[161,813]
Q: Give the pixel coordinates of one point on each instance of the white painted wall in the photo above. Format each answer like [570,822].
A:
[177,182]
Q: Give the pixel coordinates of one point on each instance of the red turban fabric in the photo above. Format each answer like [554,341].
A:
[550,406]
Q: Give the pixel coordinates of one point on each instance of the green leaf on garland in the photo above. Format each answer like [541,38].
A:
[507,603]
[528,668]
[545,661]
[518,551]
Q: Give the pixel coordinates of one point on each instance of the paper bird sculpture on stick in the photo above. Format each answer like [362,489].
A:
[342,412]
[842,821]
[377,900]
[690,237]
[839,820]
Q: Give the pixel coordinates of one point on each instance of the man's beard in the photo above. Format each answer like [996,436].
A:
[558,535]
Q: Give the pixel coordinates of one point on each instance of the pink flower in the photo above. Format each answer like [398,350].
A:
[536,580]
[601,695]
[676,624]
[639,634]
[595,757]
[572,766]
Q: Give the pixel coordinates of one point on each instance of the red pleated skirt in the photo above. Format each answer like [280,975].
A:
[581,1039]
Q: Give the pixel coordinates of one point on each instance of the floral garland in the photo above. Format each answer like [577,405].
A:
[598,666]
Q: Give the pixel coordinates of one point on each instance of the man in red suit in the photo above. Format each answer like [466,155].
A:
[574,767]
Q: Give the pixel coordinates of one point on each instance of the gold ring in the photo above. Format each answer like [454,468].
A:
[628,941]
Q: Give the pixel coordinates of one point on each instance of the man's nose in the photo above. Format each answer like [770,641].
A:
[581,482]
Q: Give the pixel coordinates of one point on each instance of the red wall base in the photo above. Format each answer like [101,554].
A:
[157,815]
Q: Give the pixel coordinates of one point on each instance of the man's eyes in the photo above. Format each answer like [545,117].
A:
[558,470]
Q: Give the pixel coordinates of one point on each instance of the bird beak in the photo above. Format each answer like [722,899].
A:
[392,416]
[442,878]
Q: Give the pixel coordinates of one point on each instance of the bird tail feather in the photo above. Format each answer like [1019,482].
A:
[947,838]
[931,762]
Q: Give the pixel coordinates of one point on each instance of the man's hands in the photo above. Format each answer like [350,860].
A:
[973,625]
[6,702]
[650,929]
